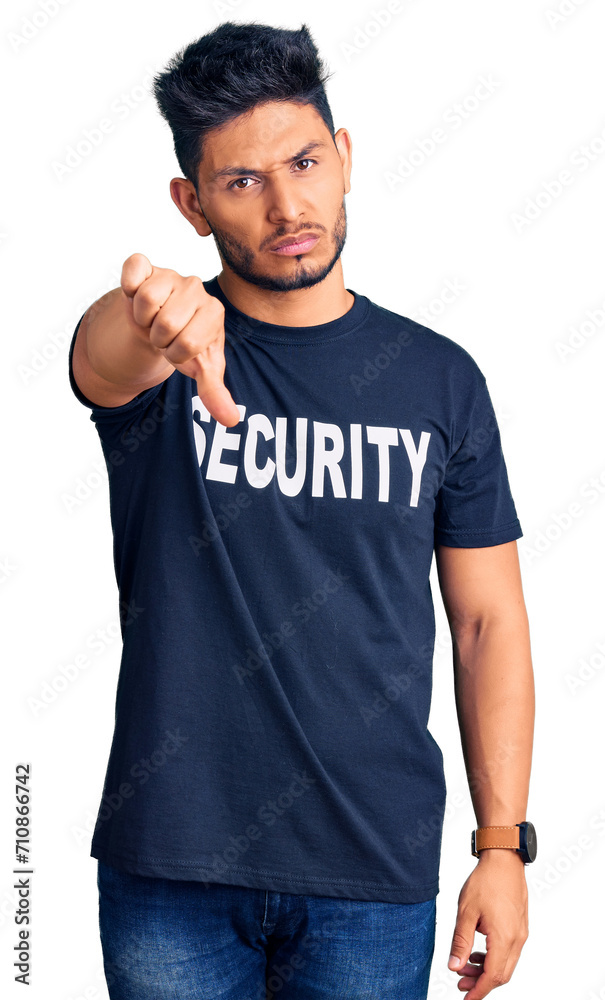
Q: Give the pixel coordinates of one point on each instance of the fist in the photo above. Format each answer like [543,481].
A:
[179,318]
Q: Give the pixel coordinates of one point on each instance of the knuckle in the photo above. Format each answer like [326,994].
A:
[146,295]
[187,344]
[459,939]
[216,309]
[194,281]
[163,327]
[211,325]
[499,979]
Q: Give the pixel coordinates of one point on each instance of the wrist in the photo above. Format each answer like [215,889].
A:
[500,855]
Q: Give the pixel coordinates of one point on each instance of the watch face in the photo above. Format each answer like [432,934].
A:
[529,841]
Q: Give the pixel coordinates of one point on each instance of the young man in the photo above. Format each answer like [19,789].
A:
[285,456]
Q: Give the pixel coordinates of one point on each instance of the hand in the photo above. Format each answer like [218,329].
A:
[186,324]
[493,900]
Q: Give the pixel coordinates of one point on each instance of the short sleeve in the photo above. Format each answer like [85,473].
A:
[103,413]
[474,505]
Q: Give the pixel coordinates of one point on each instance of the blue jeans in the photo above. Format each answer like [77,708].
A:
[163,939]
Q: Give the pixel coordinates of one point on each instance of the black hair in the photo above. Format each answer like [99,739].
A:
[230,71]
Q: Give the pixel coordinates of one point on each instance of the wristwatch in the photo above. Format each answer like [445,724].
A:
[521,838]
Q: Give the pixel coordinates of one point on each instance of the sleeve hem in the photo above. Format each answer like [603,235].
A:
[479,537]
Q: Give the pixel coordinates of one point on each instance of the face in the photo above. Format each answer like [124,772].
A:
[272,174]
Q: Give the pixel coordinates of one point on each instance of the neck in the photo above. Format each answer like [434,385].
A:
[321,303]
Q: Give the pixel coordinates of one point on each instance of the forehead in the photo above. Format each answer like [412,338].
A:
[262,138]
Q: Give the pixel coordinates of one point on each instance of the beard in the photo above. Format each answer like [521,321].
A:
[240,259]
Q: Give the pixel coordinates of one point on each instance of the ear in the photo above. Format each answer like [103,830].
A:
[344,145]
[185,198]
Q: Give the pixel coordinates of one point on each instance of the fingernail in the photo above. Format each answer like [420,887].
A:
[454,960]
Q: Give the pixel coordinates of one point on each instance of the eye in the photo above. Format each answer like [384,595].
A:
[306,160]
[233,183]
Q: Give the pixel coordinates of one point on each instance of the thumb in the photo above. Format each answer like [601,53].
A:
[462,945]
[219,402]
[135,270]
[214,393]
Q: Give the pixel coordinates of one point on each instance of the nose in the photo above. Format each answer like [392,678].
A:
[283,201]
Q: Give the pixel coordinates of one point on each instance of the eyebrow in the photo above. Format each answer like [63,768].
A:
[236,171]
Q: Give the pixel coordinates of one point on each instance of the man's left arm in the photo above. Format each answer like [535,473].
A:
[495,702]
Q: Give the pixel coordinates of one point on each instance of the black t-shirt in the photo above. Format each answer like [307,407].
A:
[277,618]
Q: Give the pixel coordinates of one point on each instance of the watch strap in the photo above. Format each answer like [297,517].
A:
[496,836]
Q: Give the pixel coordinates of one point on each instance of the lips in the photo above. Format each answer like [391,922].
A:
[291,240]
[301,245]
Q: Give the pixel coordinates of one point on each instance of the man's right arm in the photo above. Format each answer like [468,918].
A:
[134,337]
[113,359]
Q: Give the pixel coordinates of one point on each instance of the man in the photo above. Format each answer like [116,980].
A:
[284,457]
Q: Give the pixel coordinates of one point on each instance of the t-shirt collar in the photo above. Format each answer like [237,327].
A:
[256,329]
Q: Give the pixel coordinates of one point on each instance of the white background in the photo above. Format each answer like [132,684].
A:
[527,287]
